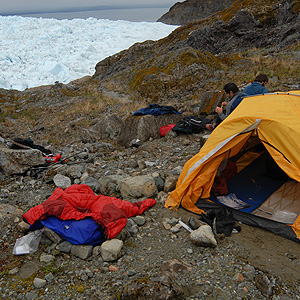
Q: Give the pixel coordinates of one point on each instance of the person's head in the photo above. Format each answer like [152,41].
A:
[230,88]
[262,79]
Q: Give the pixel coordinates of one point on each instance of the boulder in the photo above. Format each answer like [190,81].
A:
[19,161]
[108,127]
[144,127]
[203,236]
[138,187]
[111,250]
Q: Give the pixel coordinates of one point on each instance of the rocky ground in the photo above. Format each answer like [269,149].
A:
[158,259]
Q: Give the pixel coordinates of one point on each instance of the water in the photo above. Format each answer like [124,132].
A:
[129,14]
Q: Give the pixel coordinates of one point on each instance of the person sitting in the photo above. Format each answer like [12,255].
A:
[257,87]
[233,93]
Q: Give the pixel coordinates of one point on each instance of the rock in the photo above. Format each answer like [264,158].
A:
[173,221]
[131,227]
[96,250]
[62,181]
[22,226]
[138,187]
[106,186]
[19,161]
[39,283]
[194,223]
[135,143]
[203,236]
[65,247]
[171,134]
[113,268]
[9,212]
[82,251]
[144,127]
[238,277]
[13,271]
[93,183]
[30,296]
[177,171]
[159,182]
[175,228]
[170,183]
[46,258]
[75,171]
[249,272]
[109,127]
[166,225]
[264,284]
[123,235]
[49,277]
[139,220]
[111,250]
[53,236]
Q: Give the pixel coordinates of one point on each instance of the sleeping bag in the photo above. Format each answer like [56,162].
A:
[78,202]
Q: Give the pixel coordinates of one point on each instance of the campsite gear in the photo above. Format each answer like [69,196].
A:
[191,124]
[163,130]
[34,171]
[28,243]
[78,202]
[185,226]
[77,232]
[220,186]
[12,144]
[65,160]
[222,220]
[271,120]
[28,143]
[52,159]
[156,110]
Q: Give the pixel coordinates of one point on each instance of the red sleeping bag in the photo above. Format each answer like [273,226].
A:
[79,201]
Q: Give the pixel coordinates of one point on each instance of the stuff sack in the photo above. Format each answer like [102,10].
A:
[165,129]
[77,232]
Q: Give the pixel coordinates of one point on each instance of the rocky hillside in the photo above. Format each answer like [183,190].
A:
[192,10]
[187,69]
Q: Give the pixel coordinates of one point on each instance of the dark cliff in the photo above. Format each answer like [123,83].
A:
[192,10]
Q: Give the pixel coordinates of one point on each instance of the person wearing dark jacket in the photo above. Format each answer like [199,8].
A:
[257,87]
[233,93]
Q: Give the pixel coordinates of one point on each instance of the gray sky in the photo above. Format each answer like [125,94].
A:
[23,6]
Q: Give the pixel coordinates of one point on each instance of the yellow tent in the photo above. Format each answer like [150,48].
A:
[273,119]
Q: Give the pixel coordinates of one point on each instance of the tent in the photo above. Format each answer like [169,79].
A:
[261,127]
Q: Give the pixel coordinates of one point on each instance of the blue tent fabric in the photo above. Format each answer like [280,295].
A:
[156,110]
[253,185]
[77,232]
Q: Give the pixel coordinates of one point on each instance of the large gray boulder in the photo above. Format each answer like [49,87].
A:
[138,186]
[144,127]
[109,127]
[19,161]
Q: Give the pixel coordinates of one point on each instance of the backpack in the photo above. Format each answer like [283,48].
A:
[183,127]
[191,124]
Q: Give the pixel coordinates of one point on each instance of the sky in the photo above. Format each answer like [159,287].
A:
[41,51]
[32,6]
